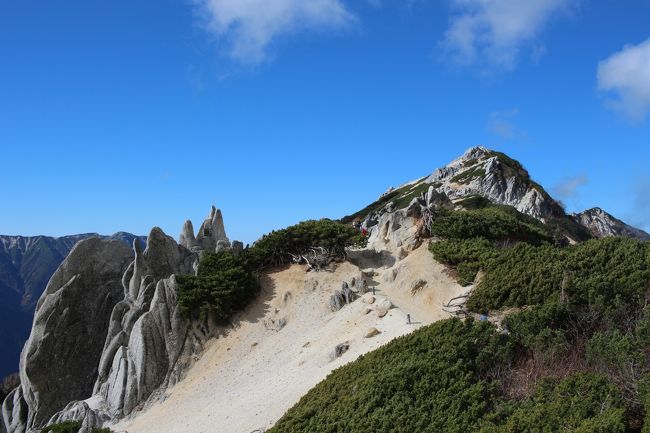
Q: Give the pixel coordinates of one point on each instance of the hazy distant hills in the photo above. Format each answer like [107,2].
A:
[26,265]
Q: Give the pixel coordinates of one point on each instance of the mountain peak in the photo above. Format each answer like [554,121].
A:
[475,152]
[602,224]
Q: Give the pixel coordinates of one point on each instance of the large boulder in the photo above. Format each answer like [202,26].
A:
[59,361]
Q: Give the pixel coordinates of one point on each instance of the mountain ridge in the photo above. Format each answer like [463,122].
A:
[494,176]
[142,345]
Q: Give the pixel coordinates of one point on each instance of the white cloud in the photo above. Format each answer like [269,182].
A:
[625,75]
[568,188]
[502,123]
[494,32]
[248,27]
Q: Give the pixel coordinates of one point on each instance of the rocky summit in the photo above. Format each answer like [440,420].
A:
[601,224]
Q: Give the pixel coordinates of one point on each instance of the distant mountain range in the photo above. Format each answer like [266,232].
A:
[26,265]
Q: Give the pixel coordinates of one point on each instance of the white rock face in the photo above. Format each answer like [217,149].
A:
[601,224]
[479,172]
[59,361]
[211,231]
[108,336]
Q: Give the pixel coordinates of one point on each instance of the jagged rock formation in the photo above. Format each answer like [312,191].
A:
[212,233]
[26,265]
[398,219]
[121,339]
[601,224]
[498,178]
[58,363]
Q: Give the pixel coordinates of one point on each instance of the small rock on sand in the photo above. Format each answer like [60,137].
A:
[340,349]
[371,333]
[384,304]
[382,312]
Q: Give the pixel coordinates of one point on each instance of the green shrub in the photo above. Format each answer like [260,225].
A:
[495,223]
[276,247]
[64,427]
[71,427]
[433,380]
[441,379]
[582,403]
[469,175]
[474,202]
[224,285]
[541,328]
[606,274]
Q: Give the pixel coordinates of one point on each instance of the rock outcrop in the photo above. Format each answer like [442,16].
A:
[211,235]
[395,221]
[601,224]
[108,336]
[59,361]
[398,219]
[26,265]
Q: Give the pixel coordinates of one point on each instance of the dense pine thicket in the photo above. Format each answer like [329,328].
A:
[572,356]
[441,379]
[225,283]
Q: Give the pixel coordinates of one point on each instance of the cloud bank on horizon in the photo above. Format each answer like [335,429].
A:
[625,78]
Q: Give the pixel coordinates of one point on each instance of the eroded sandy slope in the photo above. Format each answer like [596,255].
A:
[247,379]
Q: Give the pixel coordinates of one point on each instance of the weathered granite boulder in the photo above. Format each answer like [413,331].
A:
[147,334]
[211,232]
[14,412]
[187,238]
[59,361]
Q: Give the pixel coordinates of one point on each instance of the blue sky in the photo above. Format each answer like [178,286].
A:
[123,115]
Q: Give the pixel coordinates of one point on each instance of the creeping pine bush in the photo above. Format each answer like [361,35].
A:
[581,403]
[494,223]
[433,380]
[223,285]
[275,248]
[583,308]
[226,283]
[64,427]
[441,379]
[70,427]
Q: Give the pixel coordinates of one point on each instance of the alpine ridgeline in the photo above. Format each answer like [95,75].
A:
[109,338]
[107,335]
[478,178]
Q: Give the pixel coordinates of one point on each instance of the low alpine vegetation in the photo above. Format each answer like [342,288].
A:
[70,427]
[226,283]
[278,247]
[444,378]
